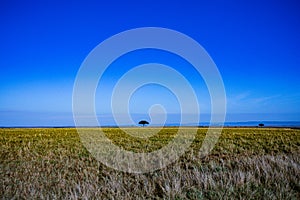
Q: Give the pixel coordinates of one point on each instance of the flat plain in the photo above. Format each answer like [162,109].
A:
[246,163]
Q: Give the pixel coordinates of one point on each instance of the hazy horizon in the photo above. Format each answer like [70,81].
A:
[66,119]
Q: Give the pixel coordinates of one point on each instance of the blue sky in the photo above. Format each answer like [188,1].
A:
[255,45]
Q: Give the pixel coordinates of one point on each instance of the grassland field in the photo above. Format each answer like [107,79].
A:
[246,163]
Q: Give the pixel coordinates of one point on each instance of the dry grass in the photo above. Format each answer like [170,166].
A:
[256,163]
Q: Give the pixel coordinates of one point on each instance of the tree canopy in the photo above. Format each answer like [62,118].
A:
[261,125]
[143,122]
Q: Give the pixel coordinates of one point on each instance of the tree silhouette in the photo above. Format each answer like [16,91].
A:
[143,122]
[261,125]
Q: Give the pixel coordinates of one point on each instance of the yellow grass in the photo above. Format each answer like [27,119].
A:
[246,163]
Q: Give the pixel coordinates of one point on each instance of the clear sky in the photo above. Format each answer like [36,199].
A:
[255,45]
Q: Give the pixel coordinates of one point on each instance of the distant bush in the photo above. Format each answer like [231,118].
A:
[261,125]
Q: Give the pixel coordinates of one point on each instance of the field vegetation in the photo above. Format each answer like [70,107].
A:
[246,163]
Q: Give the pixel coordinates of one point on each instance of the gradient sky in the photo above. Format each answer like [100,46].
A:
[255,45]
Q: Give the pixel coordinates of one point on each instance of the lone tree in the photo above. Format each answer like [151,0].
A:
[143,122]
[261,125]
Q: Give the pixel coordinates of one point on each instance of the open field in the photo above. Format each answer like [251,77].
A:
[246,163]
